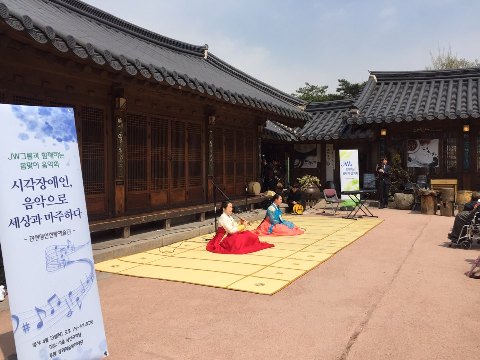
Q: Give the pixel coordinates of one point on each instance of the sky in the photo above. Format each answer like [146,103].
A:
[286,43]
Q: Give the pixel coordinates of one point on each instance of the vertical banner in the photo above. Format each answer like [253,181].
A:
[45,238]
[349,172]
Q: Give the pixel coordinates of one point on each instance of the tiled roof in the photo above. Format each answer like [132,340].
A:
[326,121]
[419,95]
[89,33]
[276,131]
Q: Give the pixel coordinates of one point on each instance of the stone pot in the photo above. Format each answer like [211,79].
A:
[311,193]
[403,201]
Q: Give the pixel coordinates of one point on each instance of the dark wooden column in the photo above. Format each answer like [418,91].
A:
[210,155]
[119,113]
[467,165]
[260,127]
[211,139]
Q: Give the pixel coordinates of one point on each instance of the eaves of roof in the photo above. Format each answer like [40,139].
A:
[327,120]
[276,131]
[390,97]
[89,33]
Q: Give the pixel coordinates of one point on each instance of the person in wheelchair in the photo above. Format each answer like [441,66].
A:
[296,205]
[465,217]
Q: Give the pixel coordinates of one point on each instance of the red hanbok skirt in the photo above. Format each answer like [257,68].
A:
[242,242]
[279,229]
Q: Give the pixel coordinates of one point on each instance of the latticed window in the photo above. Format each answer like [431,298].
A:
[451,155]
[240,155]
[218,155]
[159,158]
[194,143]
[178,154]
[136,152]
[249,156]
[229,138]
[93,150]
[25,100]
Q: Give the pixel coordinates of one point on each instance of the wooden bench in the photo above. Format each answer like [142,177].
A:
[124,222]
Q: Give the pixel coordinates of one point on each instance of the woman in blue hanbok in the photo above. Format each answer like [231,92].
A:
[274,224]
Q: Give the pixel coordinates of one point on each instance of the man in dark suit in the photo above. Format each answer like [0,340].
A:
[383,171]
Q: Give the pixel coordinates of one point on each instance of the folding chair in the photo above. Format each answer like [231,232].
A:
[331,198]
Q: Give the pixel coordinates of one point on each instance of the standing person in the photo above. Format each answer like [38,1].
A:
[383,172]
[237,239]
[274,224]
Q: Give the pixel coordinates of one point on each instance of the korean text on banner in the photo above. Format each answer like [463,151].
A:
[349,171]
[45,238]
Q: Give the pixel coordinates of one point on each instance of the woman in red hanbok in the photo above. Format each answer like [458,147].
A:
[274,224]
[237,239]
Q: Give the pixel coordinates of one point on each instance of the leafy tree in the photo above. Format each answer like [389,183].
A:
[315,93]
[318,93]
[349,90]
[399,175]
[446,59]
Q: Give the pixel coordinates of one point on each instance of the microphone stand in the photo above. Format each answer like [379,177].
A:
[246,195]
[215,188]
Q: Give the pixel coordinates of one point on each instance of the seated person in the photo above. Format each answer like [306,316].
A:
[471,204]
[464,217]
[274,224]
[295,197]
[237,239]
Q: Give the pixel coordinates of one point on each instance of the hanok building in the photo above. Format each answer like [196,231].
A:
[326,132]
[430,118]
[155,116]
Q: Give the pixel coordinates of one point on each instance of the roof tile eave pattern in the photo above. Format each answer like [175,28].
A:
[392,97]
[41,26]
[276,131]
[327,119]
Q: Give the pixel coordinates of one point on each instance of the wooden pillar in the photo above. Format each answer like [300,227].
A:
[466,163]
[260,127]
[210,156]
[211,139]
[120,108]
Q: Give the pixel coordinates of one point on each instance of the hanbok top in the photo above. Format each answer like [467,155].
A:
[274,224]
[229,224]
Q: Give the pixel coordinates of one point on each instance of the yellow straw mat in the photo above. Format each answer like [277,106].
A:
[263,272]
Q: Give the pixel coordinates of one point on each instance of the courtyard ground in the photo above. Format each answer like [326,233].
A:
[399,292]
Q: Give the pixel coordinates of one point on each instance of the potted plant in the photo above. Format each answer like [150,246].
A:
[310,187]
[399,178]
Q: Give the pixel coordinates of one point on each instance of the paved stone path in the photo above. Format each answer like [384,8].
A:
[397,293]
